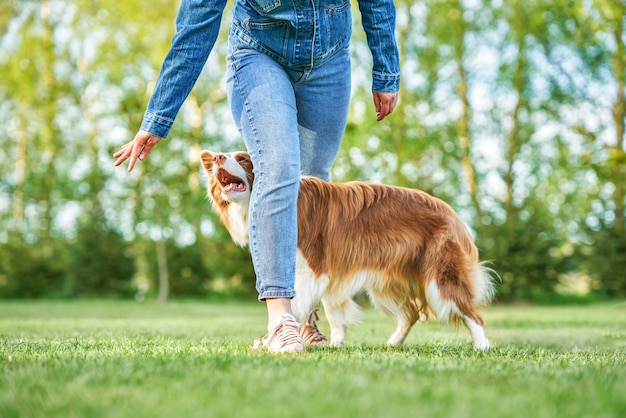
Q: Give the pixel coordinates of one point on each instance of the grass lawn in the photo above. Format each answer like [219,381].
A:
[192,359]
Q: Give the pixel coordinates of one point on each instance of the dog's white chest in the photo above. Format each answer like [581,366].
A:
[238,219]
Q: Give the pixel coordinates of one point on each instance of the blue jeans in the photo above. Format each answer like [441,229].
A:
[292,123]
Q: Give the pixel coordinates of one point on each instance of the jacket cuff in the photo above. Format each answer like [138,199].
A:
[156,125]
[385,83]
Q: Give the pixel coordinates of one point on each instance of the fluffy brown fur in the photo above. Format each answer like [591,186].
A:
[407,249]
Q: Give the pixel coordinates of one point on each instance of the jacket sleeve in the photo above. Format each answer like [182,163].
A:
[379,23]
[197,27]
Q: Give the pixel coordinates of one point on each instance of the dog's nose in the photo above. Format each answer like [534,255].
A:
[219,159]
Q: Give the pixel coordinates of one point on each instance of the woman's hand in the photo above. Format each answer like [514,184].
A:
[385,104]
[139,147]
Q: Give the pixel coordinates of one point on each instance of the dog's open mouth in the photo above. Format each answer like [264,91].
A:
[229,182]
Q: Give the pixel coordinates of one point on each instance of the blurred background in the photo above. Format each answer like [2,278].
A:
[511,111]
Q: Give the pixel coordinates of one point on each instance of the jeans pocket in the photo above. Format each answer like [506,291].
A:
[264,6]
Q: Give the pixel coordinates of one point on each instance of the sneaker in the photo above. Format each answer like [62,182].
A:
[282,336]
[309,332]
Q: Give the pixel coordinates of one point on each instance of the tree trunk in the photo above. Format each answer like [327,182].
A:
[619,115]
[49,110]
[519,83]
[464,122]
[20,174]
[164,277]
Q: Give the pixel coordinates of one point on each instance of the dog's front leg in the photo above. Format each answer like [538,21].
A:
[309,289]
[341,313]
[337,327]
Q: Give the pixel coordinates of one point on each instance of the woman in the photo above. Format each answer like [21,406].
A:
[289,87]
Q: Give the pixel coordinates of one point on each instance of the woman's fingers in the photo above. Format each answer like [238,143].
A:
[138,148]
[385,104]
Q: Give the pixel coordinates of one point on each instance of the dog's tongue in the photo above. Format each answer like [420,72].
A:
[229,182]
[234,187]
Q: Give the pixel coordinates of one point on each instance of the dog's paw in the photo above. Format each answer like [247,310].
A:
[259,344]
[483,345]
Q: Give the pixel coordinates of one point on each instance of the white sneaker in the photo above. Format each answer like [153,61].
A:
[309,331]
[282,336]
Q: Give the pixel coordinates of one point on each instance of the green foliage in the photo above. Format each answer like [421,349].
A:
[31,271]
[124,359]
[607,262]
[226,273]
[513,112]
[525,255]
[100,263]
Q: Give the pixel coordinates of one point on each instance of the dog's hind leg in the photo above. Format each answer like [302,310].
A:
[403,326]
[477,332]
[455,290]
[483,292]
[340,314]
[405,314]
[446,310]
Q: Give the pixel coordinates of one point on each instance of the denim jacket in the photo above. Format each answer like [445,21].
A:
[298,34]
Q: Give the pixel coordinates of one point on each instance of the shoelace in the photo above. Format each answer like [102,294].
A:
[284,336]
[309,331]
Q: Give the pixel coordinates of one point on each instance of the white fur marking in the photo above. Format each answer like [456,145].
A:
[233,167]
[309,288]
[340,315]
[483,284]
[443,309]
[238,218]
[341,311]
[478,334]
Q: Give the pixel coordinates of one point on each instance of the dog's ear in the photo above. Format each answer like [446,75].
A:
[207,161]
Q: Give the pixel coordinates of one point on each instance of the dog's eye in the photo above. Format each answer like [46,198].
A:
[242,159]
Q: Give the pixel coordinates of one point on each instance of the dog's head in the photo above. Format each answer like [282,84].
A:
[230,176]
[229,186]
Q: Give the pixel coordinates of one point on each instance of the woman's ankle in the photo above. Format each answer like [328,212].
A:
[276,307]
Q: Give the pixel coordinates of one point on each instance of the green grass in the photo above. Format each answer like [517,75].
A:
[124,359]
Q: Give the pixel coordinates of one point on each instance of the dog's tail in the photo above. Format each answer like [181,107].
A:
[484,283]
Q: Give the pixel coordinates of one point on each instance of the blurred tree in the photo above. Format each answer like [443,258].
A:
[598,33]
[28,271]
[100,262]
[503,113]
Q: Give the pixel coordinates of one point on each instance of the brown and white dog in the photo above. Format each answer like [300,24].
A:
[408,250]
